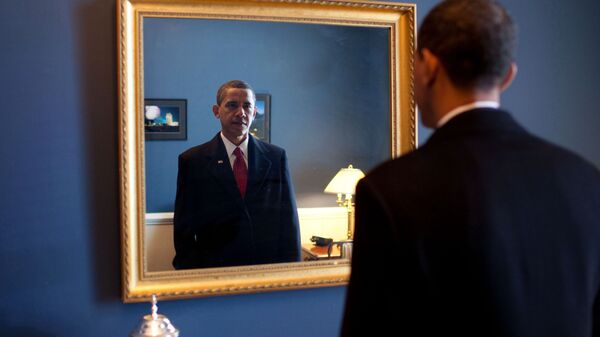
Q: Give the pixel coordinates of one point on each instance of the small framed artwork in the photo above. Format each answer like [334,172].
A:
[165,119]
[261,127]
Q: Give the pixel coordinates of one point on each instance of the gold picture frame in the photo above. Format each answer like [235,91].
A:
[137,283]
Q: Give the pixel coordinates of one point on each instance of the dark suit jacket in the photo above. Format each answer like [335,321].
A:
[215,227]
[485,230]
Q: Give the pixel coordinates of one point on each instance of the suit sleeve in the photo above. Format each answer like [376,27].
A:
[377,292]
[289,248]
[596,316]
[182,236]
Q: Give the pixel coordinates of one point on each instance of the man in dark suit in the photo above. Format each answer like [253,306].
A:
[235,202]
[486,230]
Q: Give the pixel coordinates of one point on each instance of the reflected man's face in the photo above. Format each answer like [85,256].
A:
[236,113]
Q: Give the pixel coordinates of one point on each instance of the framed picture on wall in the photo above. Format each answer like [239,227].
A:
[261,127]
[165,119]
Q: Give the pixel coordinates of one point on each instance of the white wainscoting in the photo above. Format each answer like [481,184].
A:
[328,222]
[159,241]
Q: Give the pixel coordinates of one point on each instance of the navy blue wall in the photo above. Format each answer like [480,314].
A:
[59,247]
[320,85]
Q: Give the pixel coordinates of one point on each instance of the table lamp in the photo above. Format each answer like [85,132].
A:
[344,185]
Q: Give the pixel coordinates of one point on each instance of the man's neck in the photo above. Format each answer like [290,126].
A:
[464,108]
[235,140]
[451,101]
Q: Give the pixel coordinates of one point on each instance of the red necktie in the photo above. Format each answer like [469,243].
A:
[240,171]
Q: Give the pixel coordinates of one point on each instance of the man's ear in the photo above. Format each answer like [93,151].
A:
[509,77]
[215,109]
[431,65]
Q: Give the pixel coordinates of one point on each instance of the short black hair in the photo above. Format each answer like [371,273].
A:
[475,41]
[235,84]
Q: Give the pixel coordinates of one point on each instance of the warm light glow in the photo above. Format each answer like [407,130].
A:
[345,181]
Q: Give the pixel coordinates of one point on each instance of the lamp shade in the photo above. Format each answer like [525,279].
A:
[345,181]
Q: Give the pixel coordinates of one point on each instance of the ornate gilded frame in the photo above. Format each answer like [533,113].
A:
[139,284]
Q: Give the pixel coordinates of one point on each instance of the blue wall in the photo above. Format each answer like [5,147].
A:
[59,248]
[319,85]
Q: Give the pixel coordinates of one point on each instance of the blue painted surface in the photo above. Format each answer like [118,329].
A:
[59,247]
[325,81]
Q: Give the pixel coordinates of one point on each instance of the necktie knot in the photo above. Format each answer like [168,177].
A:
[238,153]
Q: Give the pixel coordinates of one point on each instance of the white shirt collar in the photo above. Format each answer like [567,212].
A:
[230,147]
[457,111]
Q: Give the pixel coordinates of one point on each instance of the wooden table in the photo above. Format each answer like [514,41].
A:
[310,252]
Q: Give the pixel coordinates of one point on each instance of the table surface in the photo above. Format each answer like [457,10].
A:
[312,252]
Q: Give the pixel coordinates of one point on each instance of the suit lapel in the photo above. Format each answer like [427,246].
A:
[220,168]
[259,166]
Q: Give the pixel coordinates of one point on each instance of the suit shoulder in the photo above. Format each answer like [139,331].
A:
[403,163]
[197,151]
[562,156]
[410,174]
[268,147]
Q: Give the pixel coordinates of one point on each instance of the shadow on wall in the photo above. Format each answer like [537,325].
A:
[96,27]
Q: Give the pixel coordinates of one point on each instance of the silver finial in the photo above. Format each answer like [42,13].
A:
[154,325]
[154,307]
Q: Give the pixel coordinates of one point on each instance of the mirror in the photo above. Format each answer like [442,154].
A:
[334,73]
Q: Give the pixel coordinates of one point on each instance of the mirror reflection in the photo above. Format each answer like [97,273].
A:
[235,203]
[328,107]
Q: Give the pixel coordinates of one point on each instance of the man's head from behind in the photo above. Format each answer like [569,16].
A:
[474,41]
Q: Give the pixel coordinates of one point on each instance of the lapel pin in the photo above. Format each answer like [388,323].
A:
[220,162]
